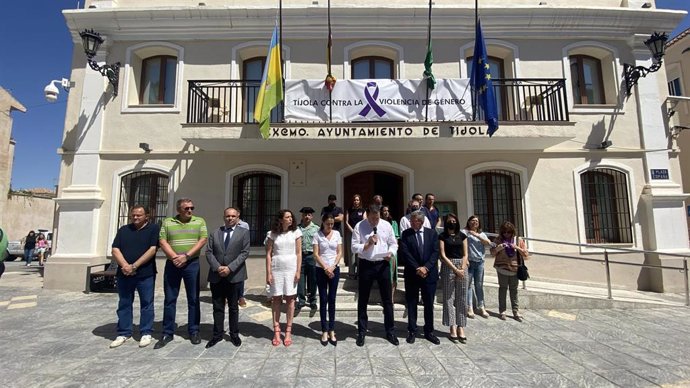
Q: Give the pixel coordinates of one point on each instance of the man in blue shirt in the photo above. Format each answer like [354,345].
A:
[431,212]
[134,250]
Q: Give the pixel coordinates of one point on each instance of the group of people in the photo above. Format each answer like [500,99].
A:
[35,244]
[303,257]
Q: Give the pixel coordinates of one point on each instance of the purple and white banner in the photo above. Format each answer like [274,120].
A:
[377,100]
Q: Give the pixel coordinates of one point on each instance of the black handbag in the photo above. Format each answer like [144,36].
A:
[522,272]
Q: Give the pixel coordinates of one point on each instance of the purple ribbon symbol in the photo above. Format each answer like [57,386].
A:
[372,101]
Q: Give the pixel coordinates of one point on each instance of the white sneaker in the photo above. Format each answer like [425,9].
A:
[145,341]
[119,341]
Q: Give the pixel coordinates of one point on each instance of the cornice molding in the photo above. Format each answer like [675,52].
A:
[195,23]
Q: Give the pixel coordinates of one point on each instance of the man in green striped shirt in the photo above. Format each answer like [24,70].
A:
[181,238]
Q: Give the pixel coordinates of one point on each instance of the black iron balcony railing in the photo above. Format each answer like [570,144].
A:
[233,101]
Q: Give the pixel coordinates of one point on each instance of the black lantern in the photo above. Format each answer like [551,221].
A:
[656,45]
[91,40]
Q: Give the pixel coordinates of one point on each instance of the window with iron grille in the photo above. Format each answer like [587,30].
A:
[497,198]
[606,207]
[148,189]
[257,195]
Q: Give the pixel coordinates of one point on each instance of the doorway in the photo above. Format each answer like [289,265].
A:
[369,183]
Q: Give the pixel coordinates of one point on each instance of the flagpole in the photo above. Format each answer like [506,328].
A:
[428,43]
[282,63]
[476,13]
[330,48]
[474,60]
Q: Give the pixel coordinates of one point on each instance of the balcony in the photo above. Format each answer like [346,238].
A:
[519,100]
[534,111]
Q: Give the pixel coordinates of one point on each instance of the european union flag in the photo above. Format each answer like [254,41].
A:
[481,82]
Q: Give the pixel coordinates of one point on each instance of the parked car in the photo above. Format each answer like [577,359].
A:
[15,249]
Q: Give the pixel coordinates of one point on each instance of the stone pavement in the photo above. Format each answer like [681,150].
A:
[59,339]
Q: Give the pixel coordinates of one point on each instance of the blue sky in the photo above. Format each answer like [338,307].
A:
[39,51]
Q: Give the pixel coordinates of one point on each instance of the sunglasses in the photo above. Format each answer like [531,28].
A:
[188,208]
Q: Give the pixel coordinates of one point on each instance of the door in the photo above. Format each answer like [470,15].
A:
[370,183]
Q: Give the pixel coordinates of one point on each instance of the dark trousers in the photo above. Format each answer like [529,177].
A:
[126,285]
[172,279]
[307,280]
[413,286]
[2,268]
[223,292]
[327,290]
[368,272]
[505,283]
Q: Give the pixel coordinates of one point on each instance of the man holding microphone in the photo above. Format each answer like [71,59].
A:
[373,240]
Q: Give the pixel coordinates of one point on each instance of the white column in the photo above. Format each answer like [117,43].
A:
[79,204]
[662,212]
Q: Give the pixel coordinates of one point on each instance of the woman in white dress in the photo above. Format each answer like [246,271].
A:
[283,263]
[328,249]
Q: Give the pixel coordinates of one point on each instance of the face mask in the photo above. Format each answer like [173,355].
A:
[451,225]
[331,205]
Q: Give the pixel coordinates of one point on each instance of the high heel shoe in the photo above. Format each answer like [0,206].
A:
[332,339]
[288,336]
[324,339]
[276,335]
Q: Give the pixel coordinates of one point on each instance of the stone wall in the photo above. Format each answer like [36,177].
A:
[24,212]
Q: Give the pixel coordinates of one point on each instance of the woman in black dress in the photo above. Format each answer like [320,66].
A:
[352,216]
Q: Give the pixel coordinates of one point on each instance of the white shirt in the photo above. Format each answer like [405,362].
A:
[328,249]
[228,230]
[405,223]
[387,242]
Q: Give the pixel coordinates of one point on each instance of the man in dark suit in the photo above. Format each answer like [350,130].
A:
[226,252]
[419,251]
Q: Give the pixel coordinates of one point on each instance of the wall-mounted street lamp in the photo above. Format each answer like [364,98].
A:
[656,45]
[92,41]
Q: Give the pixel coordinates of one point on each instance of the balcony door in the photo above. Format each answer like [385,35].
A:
[497,69]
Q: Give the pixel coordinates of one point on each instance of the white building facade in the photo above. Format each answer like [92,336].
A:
[189,78]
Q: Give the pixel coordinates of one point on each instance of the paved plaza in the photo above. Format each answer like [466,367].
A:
[60,339]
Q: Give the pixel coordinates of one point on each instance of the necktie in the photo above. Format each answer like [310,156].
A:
[227,237]
[420,243]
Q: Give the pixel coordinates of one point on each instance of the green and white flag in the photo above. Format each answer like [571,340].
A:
[429,60]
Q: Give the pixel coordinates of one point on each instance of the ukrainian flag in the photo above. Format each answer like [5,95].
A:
[271,90]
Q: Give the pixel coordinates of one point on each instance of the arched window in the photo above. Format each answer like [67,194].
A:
[158,74]
[372,67]
[606,207]
[144,188]
[497,197]
[257,195]
[586,80]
